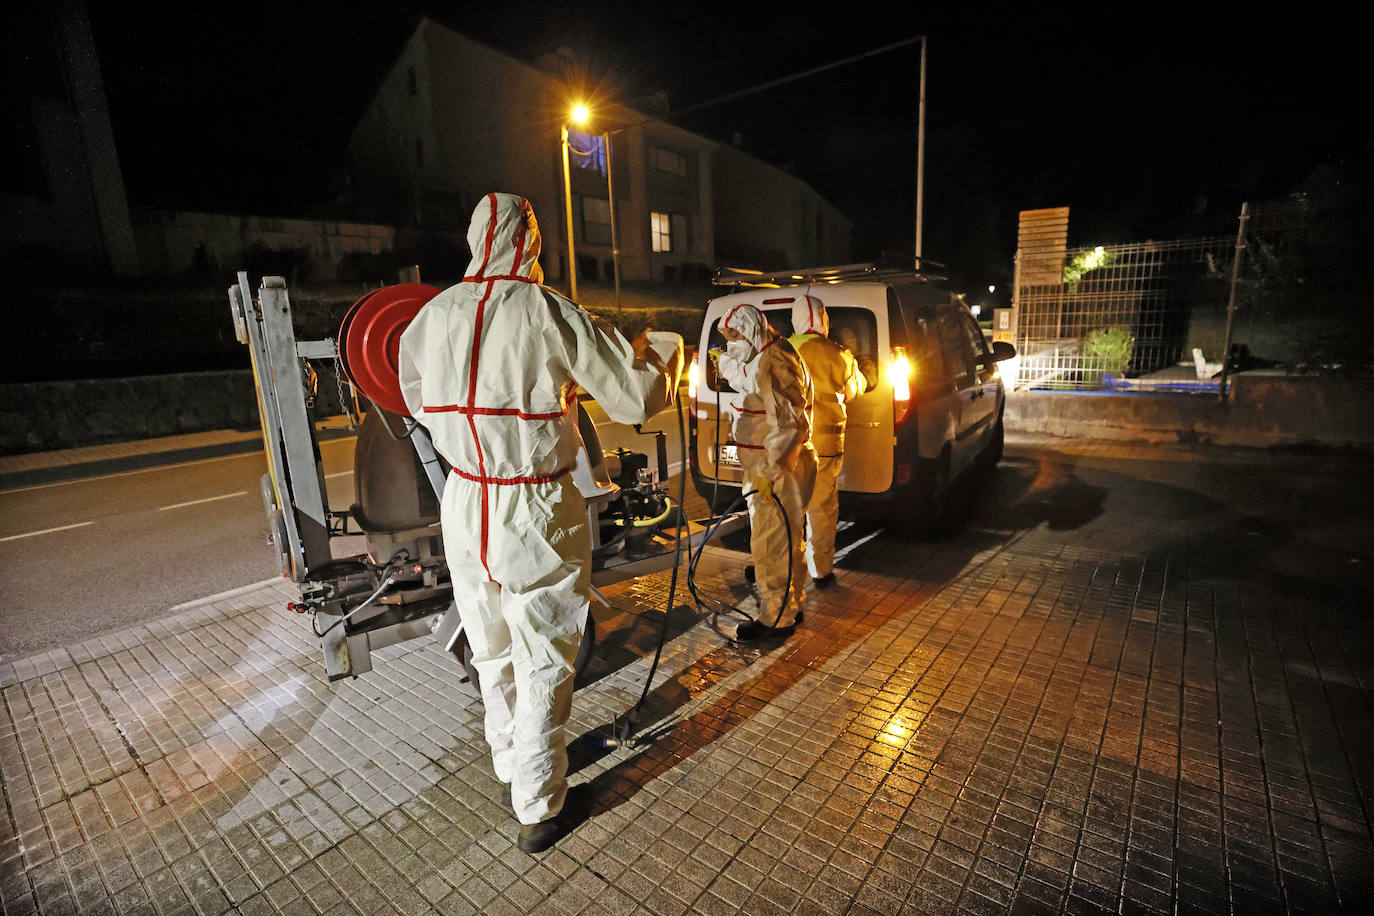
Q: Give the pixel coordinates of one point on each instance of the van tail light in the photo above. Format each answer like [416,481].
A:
[899,377]
[692,372]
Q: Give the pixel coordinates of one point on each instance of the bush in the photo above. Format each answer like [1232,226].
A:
[1108,351]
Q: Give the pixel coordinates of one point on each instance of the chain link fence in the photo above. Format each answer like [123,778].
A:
[1153,315]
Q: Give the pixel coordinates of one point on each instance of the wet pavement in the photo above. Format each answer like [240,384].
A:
[1135,680]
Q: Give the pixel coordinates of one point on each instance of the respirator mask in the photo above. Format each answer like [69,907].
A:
[740,350]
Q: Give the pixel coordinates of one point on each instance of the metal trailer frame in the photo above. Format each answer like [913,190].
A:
[301,524]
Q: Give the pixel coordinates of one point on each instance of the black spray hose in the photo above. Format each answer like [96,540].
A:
[624,731]
[725,606]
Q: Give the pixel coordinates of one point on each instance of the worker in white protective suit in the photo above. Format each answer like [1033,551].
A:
[837,379]
[491,367]
[772,426]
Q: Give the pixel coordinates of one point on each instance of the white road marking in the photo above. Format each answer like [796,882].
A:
[29,534]
[160,467]
[197,502]
[849,548]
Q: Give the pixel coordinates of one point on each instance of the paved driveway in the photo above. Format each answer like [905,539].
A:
[1135,680]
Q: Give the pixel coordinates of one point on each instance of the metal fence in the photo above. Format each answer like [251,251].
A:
[1154,314]
[1117,312]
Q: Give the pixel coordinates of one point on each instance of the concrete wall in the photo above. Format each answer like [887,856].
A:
[40,416]
[1265,409]
[173,240]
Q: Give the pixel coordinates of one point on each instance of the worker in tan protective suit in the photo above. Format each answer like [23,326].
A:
[772,427]
[491,367]
[837,379]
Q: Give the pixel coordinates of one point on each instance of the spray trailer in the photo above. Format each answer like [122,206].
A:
[398,588]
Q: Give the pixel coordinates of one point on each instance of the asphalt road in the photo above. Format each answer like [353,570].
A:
[104,553]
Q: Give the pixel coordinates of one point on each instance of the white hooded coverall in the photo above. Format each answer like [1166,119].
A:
[772,428]
[837,380]
[491,367]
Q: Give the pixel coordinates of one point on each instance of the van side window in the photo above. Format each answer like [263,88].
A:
[927,363]
[958,347]
[977,342]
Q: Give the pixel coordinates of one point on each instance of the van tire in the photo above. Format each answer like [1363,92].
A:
[926,514]
[992,452]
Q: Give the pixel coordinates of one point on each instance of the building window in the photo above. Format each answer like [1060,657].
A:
[596,221]
[587,151]
[661,231]
[668,161]
[667,231]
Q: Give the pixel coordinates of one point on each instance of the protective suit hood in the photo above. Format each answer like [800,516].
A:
[749,321]
[809,317]
[504,238]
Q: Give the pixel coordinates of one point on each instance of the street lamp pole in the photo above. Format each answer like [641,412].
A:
[610,196]
[567,204]
[921,155]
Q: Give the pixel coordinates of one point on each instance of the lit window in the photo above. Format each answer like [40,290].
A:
[661,231]
[587,151]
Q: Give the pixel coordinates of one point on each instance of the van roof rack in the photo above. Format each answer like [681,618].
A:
[743,276]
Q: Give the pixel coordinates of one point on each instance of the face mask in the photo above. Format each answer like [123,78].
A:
[740,350]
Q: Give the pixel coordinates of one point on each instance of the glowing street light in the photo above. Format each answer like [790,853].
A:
[580,115]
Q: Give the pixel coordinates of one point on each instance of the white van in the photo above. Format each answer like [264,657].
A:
[935,412]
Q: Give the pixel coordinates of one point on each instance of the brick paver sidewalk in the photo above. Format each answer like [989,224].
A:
[1136,680]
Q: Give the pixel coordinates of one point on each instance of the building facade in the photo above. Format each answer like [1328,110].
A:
[454,119]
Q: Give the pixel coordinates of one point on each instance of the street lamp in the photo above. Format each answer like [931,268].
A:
[578,116]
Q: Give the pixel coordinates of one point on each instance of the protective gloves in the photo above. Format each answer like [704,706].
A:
[764,487]
[714,355]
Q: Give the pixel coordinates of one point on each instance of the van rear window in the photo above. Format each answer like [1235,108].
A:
[852,327]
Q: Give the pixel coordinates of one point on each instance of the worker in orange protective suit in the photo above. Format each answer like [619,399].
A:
[838,380]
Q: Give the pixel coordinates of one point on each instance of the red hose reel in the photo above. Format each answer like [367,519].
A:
[370,340]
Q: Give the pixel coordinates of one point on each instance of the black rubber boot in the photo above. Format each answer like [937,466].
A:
[754,631]
[536,838]
[825,581]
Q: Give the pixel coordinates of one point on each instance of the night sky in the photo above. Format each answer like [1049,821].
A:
[1146,122]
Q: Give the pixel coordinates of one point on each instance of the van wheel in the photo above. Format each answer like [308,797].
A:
[584,655]
[926,515]
[992,453]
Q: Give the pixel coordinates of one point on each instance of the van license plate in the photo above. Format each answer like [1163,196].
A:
[729,454]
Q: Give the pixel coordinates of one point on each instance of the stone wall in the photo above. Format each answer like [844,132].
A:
[41,416]
[178,242]
[1266,409]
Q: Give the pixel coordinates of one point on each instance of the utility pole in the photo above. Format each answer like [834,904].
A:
[921,154]
[1231,302]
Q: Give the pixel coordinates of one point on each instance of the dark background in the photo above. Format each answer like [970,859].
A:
[1147,122]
